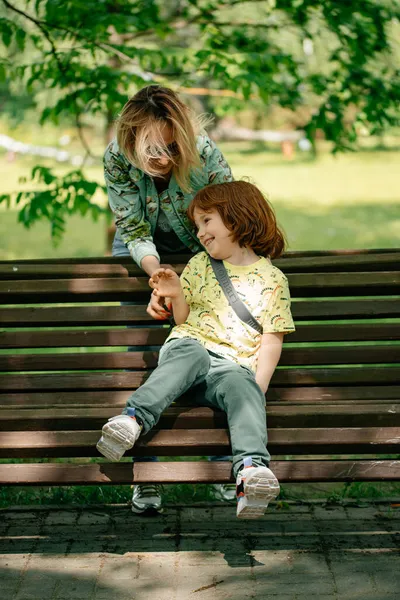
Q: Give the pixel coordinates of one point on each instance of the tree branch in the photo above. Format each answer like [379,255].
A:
[43,24]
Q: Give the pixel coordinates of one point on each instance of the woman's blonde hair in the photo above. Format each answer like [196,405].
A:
[245,212]
[140,132]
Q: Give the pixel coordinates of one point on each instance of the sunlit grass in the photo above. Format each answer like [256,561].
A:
[348,201]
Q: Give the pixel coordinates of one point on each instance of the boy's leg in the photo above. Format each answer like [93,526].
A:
[234,390]
[182,364]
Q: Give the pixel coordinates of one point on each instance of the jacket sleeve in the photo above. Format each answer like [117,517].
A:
[127,206]
[217,168]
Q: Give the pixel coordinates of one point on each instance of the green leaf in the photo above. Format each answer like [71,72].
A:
[20,36]
[6,29]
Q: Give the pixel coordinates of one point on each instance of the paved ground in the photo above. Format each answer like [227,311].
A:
[193,553]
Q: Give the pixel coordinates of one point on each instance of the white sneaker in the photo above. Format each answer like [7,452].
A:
[256,487]
[146,498]
[119,434]
[224,492]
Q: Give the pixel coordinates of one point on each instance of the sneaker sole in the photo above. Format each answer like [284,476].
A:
[259,490]
[148,509]
[116,439]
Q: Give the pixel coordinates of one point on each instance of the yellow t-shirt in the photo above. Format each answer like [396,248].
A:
[212,321]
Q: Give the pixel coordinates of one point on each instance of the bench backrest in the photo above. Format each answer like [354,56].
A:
[65,367]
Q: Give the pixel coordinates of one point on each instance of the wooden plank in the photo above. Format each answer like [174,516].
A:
[339,263]
[16,271]
[177,257]
[62,270]
[116,289]
[193,472]
[351,414]
[326,394]
[148,359]
[79,361]
[199,442]
[319,355]
[286,471]
[344,284]
[74,290]
[131,380]
[351,252]
[115,399]
[156,335]
[345,309]
[41,316]
[351,332]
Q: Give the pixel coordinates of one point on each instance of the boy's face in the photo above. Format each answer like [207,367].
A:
[213,234]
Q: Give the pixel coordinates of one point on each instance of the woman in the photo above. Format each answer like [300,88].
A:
[160,158]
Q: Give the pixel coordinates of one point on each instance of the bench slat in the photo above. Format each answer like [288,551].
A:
[156,336]
[132,380]
[148,359]
[181,442]
[193,472]
[117,289]
[352,414]
[120,267]
[42,316]
[114,398]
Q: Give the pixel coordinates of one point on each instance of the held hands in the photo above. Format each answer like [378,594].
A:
[165,283]
[167,288]
[159,307]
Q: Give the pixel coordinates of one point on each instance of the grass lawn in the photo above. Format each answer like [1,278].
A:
[349,201]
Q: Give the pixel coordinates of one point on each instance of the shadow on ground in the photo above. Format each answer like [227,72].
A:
[199,553]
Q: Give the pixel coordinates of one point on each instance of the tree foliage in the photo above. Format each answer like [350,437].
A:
[92,55]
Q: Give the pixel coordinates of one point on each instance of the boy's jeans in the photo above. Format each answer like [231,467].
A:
[215,381]
[119,249]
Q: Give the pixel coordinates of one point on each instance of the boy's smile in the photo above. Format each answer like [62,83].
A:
[217,239]
[213,234]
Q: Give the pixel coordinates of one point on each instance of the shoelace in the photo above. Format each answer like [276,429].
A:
[146,491]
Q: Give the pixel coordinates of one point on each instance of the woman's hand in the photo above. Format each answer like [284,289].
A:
[156,307]
[165,283]
[159,308]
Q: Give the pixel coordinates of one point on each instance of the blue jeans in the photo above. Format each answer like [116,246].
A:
[119,249]
[213,381]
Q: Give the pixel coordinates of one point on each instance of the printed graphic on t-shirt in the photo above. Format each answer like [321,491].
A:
[262,287]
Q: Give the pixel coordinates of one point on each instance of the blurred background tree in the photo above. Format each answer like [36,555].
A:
[333,67]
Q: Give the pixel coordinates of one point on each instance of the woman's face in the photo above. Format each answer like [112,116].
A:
[163,164]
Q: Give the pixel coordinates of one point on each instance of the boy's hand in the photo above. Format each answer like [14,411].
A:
[165,283]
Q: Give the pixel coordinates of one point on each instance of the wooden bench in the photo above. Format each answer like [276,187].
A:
[333,405]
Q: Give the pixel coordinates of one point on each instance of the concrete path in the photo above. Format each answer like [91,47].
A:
[201,553]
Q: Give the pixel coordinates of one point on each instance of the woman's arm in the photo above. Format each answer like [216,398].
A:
[268,358]
[126,204]
[150,264]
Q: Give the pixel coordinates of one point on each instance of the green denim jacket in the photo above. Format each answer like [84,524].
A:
[135,202]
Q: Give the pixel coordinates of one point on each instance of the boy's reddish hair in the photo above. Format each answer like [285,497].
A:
[245,212]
